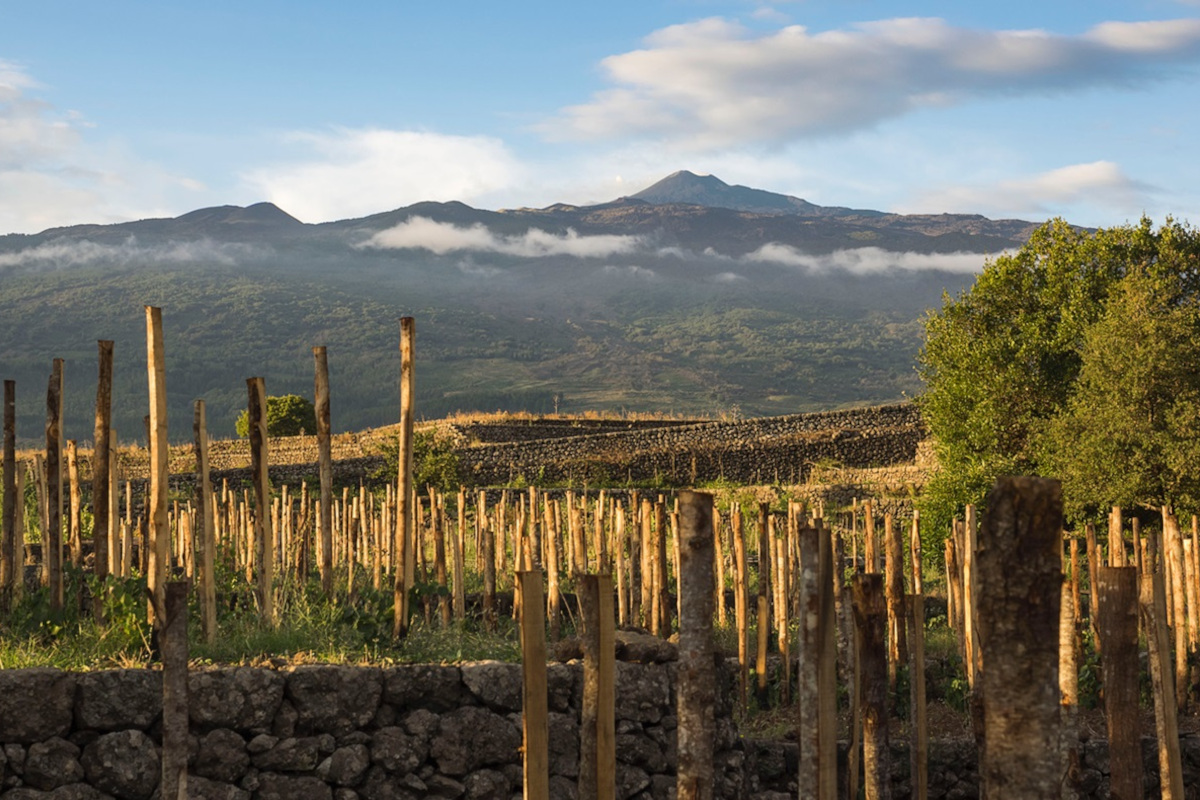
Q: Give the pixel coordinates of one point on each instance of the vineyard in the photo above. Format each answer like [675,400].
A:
[791,629]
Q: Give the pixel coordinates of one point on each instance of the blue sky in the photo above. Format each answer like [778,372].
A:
[123,110]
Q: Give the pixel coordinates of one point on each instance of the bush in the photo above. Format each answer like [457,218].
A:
[289,415]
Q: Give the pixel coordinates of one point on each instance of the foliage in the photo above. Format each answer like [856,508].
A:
[1032,361]
[288,415]
[435,463]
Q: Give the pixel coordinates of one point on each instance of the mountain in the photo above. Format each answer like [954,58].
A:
[710,191]
[692,296]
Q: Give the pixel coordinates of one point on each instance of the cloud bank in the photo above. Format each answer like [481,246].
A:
[441,238]
[348,172]
[714,83]
[62,253]
[1100,183]
[867,260]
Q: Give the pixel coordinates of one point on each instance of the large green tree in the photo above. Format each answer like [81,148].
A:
[1013,366]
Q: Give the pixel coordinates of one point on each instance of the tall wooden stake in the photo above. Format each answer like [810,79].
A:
[264,537]
[1020,575]
[175,692]
[1117,607]
[696,682]
[404,488]
[205,527]
[11,568]
[324,468]
[156,547]
[870,620]
[1153,602]
[52,535]
[535,702]
[101,459]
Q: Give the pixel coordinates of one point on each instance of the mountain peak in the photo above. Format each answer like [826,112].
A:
[708,190]
[257,214]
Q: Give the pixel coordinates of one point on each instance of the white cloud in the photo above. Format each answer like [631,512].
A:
[354,172]
[866,260]
[59,253]
[443,237]
[712,83]
[1100,183]
[51,174]
[631,271]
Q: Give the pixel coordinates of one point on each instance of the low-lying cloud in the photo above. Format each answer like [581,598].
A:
[867,260]
[714,82]
[441,238]
[63,253]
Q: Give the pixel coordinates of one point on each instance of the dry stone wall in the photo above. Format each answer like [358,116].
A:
[326,732]
[401,733]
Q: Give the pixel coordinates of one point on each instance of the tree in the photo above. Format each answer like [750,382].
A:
[1003,362]
[289,415]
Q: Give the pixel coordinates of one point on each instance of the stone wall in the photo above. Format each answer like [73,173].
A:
[758,451]
[395,733]
[325,732]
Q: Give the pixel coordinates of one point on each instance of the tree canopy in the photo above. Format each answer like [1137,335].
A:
[1073,358]
[289,415]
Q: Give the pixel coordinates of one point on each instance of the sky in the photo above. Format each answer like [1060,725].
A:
[126,110]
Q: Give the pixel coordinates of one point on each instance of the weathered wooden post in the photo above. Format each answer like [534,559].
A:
[740,602]
[402,541]
[159,534]
[75,504]
[597,726]
[535,701]
[816,730]
[264,537]
[870,620]
[1020,588]
[697,682]
[52,534]
[1068,683]
[205,526]
[324,468]
[915,608]
[1117,612]
[893,546]
[101,461]
[174,643]
[763,606]
[1153,602]
[11,567]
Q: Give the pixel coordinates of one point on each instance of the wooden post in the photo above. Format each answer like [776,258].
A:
[662,591]
[264,538]
[1020,575]
[1068,682]
[159,534]
[175,692]
[918,753]
[696,681]
[620,537]
[324,468]
[101,461]
[816,730]
[740,603]
[489,575]
[1117,610]
[12,569]
[597,727]
[52,533]
[75,494]
[205,537]
[1153,602]
[535,701]
[1173,559]
[402,540]
[870,619]
[870,545]
[894,589]
[763,606]
[1116,540]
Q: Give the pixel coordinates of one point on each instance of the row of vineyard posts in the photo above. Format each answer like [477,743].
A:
[848,597]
